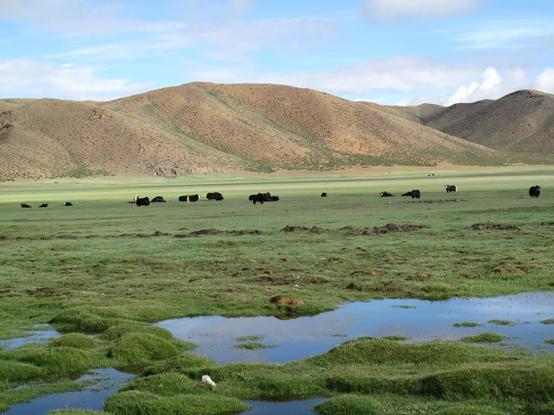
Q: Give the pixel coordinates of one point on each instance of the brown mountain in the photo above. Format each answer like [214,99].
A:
[522,121]
[203,128]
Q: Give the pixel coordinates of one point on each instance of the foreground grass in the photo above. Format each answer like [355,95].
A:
[105,268]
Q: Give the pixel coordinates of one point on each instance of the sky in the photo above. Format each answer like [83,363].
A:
[401,52]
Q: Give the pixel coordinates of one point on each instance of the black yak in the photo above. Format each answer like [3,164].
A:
[214,196]
[414,194]
[44,205]
[386,194]
[67,204]
[158,199]
[25,206]
[451,188]
[535,191]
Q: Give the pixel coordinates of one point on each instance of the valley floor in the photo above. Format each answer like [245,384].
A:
[104,269]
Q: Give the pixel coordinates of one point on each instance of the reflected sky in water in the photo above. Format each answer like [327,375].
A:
[101,383]
[423,321]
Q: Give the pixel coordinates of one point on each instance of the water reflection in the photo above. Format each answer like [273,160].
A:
[423,321]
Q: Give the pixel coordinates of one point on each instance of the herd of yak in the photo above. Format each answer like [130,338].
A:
[534,192]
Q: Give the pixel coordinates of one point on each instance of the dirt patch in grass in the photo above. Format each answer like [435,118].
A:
[386,229]
[281,300]
[303,229]
[418,276]
[510,269]
[42,292]
[214,232]
[489,226]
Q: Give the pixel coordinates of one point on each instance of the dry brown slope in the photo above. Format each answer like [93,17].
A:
[206,128]
[295,127]
[522,121]
[48,138]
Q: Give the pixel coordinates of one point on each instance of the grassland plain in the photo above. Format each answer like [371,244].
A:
[107,268]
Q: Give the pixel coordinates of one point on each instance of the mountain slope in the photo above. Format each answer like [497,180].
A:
[204,128]
[522,121]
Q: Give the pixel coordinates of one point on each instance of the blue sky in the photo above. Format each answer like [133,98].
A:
[388,51]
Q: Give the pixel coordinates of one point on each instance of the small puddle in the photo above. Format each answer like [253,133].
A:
[40,333]
[418,320]
[100,384]
[305,407]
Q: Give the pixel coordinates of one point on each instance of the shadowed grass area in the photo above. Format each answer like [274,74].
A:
[484,338]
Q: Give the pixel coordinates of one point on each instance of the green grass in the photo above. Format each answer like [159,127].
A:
[396,338]
[466,324]
[501,322]
[103,269]
[548,321]
[549,341]
[484,338]
[253,346]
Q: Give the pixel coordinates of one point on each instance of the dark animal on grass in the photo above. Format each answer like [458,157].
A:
[25,206]
[194,198]
[214,196]
[451,188]
[263,197]
[535,191]
[44,205]
[324,194]
[142,201]
[183,198]
[68,204]
[158,199]
[414,194]
[386,194]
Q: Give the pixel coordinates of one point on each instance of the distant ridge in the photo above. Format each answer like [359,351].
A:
[522,121]
[201,128]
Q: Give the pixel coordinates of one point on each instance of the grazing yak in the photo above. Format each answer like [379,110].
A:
[194,198]
[535,191]
[450,188]
[214,196]
[324,194]
[67,204]
[142,201]
[25,206]
[158,199]
[263,197]
[183,198]
[386,194]
[414,194]
[44,205]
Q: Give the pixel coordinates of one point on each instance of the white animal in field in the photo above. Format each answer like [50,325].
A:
[136,197]
[208,382]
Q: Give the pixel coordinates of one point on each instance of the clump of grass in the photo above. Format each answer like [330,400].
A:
[502,322]
[349,405]
[253,346]
[466,324]
[75,340]
[13,371]
[135,349]
[136,402]
[484,338]
[548,321]
[395,338]
[549,341]
[183,363]
[404,306]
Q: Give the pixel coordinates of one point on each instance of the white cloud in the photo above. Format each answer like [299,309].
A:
[393,10]
[502,34]
[31,78]
[400,74]
[545,81]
